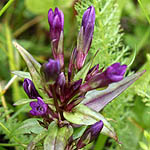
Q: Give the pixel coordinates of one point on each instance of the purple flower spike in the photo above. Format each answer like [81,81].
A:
[56,22]
[90,134]
[30,89]
[85,36]
[51,70]
[113,73]
[39,108]
[116,72]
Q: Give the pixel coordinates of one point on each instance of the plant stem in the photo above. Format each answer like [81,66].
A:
[27,25]
[12,62]
[4,104]
[8,133]
[9,145]
[144,10]
[3,91]
[6,7]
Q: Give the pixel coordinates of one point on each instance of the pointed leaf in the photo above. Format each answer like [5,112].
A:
[57,138]
[22,74]
[32,64]
[49,142]
[29,126]
[24,101]
[78,132]
[82,115]
[97,100]
[38,138]
[63,135]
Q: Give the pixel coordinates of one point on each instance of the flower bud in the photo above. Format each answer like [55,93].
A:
[90,134]
[60,85]
[116,72]
[61,80]
[56,22]
[85,36]
[30,89]
[39,108]
[113,73]
[51,70]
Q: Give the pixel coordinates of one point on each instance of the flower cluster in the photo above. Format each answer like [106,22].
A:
[61,88]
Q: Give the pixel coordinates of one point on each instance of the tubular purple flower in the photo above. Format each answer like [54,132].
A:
[56,22]
[39,108]
[85,36]
[51,70]
[113,73]
[90,134]
[116,72]
[30,89]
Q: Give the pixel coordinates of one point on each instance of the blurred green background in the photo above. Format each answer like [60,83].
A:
[26,22]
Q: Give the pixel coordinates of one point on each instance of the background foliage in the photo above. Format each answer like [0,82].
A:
[122,33]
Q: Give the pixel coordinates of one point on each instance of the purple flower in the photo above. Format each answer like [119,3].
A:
[113,73]
[90,134]
[51,70]
[116,72]
[56,22]
[30,89]
[39,108]
[85,36]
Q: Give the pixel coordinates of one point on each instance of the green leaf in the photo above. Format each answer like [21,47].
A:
[78,132]
[97,100]
[33,66]
[49,142]
[82,115]
[29,126]
[63,135]
[22,74]
[143,146]
[24,101]
[38,138]
[57,138]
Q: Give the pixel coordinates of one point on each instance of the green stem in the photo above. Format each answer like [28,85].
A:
[4,104]
[100,143]
[12,62]
[27,25]
[144,10]
[8,133]
[6,7]
[9,145]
